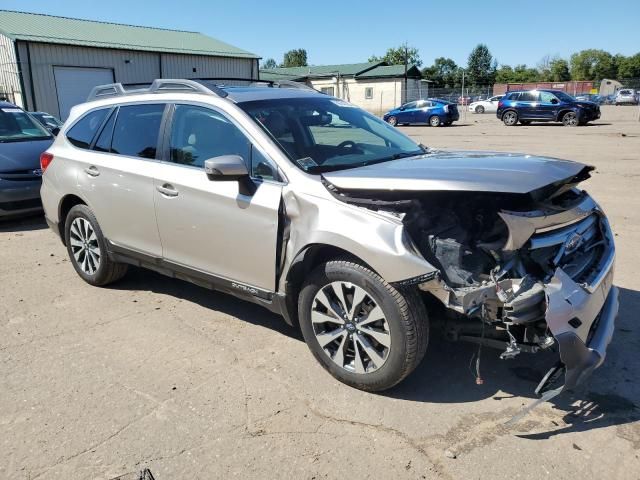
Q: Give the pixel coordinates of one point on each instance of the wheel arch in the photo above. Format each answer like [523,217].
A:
[66,204]
[564,111]
[510,109]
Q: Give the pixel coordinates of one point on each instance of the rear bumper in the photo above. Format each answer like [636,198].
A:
[19,197]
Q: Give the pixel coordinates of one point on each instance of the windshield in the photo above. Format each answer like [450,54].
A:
[564,96]
[321,134]
[47,120]
[16,126]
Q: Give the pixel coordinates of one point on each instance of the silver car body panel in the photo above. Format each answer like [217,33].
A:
[458,171]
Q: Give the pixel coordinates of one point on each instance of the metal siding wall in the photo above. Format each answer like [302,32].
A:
[143,67]
[9,70]
[181,66]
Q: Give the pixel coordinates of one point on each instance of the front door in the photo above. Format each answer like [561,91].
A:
[217,227]
[549,106]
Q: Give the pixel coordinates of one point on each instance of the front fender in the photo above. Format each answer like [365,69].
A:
[379,241]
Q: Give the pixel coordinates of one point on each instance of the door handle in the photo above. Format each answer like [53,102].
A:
[92,171]
[168,190]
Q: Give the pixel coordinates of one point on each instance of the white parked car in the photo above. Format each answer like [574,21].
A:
[626,96]
[488,105]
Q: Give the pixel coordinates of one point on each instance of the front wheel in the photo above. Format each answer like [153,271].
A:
[434,121]
[365,332]
[510,118]
[87,248]
[393,121]
[570,119]
[479,109]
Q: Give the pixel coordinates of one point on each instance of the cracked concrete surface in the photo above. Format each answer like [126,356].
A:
[153,372]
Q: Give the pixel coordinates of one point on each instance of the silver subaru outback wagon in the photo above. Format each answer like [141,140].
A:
[325,214]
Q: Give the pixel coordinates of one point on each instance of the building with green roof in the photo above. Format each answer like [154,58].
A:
[374,86]
[51,63]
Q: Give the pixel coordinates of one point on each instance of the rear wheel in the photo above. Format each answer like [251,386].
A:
[510,118]
[393,121]
[87,248]
[365,332]
[434,121]
[570,119]
[479,109]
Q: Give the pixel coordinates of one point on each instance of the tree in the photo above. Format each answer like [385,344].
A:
[398,55]
[295,58]
[518,74]
[481,67]
[504,74]
[629,67]
[593,64]
[269,63]
[443,73]
[559,69]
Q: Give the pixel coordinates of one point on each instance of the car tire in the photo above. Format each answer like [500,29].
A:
[397,341]
[525,122]
[434,121]
[479,109]
[87,248]
[510,118]
[570,119]
[393,121]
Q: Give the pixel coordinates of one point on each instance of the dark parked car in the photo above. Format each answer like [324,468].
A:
[22,140]
[545,106]
[434,111]
[50,122]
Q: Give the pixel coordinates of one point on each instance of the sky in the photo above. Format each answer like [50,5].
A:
[345,31]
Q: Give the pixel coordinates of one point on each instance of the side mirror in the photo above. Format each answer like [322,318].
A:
[226,167]
[554,101]
[401,109]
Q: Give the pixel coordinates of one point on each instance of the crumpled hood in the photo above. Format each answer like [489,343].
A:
[22,155]
[459,171]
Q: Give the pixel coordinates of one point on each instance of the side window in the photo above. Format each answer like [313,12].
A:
[262,167]
[514,96]
[529,97]
[83,132]
[410,105]
[368,93]
[199,133]
[328,91]
[546,97]
[103,143]
[136,130]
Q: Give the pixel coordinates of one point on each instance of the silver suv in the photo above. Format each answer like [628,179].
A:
[323,213]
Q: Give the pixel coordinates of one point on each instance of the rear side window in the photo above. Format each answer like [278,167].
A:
[103,143]
[82,133]
[136,130]
[513,96]
[528,97]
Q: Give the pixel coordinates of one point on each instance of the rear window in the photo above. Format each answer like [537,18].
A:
[82,133]
[137,129]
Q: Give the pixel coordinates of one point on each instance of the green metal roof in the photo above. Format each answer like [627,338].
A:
[345,70]
[357,70]
[36,27]
[390,71]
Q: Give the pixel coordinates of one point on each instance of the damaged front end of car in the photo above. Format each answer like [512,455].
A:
[523,272]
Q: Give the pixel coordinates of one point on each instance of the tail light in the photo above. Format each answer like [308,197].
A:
[500,104]
[45,160]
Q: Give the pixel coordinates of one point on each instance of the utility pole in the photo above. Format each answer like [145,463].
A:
[406,60]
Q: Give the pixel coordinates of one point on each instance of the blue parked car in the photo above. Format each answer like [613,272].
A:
[433,111]
[545,106]
[22,140]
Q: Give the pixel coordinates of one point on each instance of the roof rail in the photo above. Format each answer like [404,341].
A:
[271,83]
[160,85]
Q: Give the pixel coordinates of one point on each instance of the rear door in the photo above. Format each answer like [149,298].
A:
[117,170]
[220,228]
[407,113]
[549,106]
[528,105]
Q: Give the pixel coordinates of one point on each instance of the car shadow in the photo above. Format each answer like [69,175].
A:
[23,224]
[436,380]
[557,124]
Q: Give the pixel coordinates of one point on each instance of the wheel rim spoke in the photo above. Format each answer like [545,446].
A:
[359,365]
[84,245]
[324,300]
[319,317]
[359,296]
[326,338]
[382,338]
[374,315]
[339,293]
[373,355]
[338,357]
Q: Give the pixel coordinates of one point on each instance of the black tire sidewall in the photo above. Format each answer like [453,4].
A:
[82,211]
[394,369]
[506,114]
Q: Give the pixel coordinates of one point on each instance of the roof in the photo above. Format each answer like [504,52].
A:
[392,71]
[248,94]
[314,71]
[356,70]
[35,27]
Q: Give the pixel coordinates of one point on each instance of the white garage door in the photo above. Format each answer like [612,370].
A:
[73,85]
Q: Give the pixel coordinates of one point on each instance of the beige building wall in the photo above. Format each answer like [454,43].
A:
[376,95]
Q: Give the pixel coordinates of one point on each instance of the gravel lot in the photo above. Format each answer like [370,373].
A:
[158,373]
